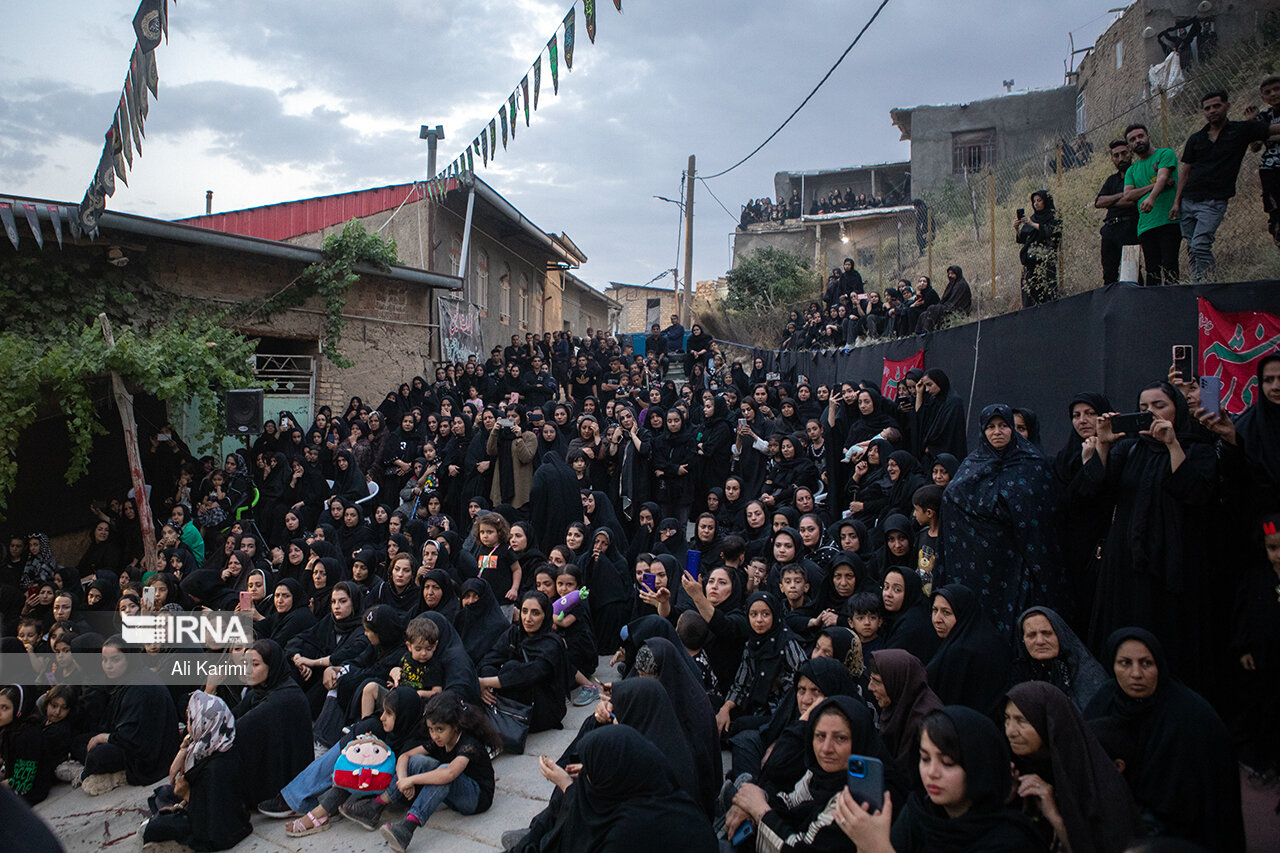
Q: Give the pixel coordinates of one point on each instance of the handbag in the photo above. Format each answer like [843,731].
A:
[511,721]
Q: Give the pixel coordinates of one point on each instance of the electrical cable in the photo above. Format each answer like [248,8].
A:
[718,201]
[830,71]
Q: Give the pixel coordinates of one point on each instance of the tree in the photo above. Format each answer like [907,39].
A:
[769,278]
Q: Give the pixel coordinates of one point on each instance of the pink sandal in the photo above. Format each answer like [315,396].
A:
[295,829]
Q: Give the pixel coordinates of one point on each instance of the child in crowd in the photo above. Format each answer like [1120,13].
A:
[693,632]
[797,605]
[866,618]
[421,636]
[927,503]
[574,627]
[497,564]
[449,764]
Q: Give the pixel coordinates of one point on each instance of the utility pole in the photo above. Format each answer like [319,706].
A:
[685,308]
[124,404]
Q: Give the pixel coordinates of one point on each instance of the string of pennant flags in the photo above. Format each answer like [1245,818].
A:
[485,146]
[124,137]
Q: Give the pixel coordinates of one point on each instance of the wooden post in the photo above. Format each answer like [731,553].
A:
[688,243]
[930,244]
[991,192]
[1164,118]
[124,403]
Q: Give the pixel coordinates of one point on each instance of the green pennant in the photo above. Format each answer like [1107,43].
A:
[502,114]
[524,98]
[589,15]
[512,102]
[568,39]
[554,62]
[484,148]
[493,138]
[537,80]
[617,4]
[471,163]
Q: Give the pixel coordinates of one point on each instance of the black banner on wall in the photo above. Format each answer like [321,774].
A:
[1115,340]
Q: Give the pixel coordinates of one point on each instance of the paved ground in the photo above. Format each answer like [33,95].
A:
[110,822]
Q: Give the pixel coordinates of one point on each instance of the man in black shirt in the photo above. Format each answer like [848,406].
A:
[495,361]
[1120,227]
[1207,180]
[582,380]
[515,354]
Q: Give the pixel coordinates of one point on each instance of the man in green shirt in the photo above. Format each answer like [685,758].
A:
[1151,183]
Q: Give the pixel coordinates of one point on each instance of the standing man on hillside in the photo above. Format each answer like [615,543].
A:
[1151,184]
[1120,227]
[1210,165]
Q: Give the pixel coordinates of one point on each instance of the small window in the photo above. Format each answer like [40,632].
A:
[504,308]
[973,150]
[481,295]
[1119,55]
[524,301]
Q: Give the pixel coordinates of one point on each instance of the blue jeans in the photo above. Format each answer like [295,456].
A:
[1200,221]
[302,791]
[462,794]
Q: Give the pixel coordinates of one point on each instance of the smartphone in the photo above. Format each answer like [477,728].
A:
[1211,394]
[246,600]
[866,781]
[649,581]
[692,561]
[772,377]
[505,422]
[1132,423]
[745,830]
[1022,213]
[149,597]
[742,422]
[1184,361]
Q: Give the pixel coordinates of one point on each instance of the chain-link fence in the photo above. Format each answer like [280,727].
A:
[968,221]
[972,214]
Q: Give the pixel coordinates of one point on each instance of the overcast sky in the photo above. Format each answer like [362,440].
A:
[272,101]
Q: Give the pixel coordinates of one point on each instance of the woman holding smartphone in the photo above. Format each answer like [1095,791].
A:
[1161,544]
[964,764]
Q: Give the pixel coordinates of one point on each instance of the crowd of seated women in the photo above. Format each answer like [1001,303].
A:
[780,578]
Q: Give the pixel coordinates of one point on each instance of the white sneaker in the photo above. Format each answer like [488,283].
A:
[69,771]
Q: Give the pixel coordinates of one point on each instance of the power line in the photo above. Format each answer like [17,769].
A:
[718,201]
[830,71]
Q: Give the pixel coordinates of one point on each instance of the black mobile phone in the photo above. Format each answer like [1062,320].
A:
[866,781]
[1022,213]
[1184,361]
[1132,423]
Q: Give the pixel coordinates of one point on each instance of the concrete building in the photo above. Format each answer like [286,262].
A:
[386,334]
[1112,77]
[870,237]
[642,305]
[514,276]
[949,141]
[890,181]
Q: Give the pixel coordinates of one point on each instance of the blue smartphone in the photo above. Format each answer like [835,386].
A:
[692,560]
[866,781]
[745,831]
[649,581]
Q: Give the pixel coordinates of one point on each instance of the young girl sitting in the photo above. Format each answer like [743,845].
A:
[451,766]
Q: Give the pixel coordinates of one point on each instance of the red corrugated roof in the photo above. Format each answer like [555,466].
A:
[291,218]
